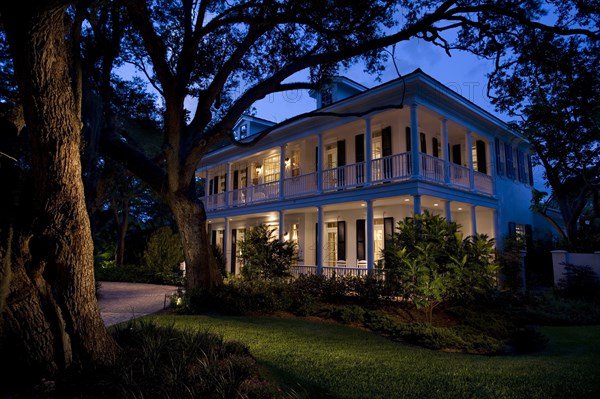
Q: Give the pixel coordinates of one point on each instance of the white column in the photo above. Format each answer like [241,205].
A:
[448,210]
[470,159]
[473,220]
[370,238]
[417,204]
[226,249]
[369,151]
[320,163]
[320,240]
[281,171]
[445,151]
[414,141]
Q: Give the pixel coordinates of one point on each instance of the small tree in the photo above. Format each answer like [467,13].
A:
[264,256]
[432,264]
[163,253]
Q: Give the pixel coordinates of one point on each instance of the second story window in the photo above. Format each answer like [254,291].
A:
[271,169]
[326,97]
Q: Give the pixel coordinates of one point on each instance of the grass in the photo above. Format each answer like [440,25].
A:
[327,360]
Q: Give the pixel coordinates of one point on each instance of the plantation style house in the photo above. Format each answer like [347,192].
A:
[337,180]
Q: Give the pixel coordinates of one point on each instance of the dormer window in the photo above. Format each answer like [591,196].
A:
[326,96]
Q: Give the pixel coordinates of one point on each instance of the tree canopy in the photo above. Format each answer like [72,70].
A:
[551,83]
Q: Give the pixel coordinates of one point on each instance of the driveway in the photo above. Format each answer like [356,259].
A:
[120,302]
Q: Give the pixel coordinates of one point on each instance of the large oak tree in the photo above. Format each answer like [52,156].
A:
[50,319]
[200,51]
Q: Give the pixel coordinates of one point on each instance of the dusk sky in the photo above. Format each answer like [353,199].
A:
[463,73]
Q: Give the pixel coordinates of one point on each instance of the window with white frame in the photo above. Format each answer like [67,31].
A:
[271,169]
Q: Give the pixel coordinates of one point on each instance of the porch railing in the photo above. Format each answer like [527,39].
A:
[459,175]
[386,169]
[484,183]
[300,185]
[392,167]
[346,176]
[432,168]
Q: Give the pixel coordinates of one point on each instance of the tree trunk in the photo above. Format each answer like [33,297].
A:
[122,224]
[201,266]
[51,320]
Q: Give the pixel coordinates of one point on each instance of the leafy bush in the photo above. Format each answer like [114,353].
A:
[264,256]
[432,264]
[163,253]
[554,310]
[169,362]
[238,296]
[579,282]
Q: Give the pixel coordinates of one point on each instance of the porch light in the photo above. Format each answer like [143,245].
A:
[460,209]
[435,204]
[406,199]
[259,169]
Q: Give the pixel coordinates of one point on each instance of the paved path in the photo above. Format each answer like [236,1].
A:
[120,302]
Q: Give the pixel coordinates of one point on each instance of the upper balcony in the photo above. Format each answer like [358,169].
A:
[389,147]
[390,169]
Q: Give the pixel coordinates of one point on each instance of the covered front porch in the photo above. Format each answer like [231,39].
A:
[345,238]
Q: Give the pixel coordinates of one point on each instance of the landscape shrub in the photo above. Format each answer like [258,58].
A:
[431,264]
[580,283]
[163,254]
[264,256]
[158,361]
[554,310]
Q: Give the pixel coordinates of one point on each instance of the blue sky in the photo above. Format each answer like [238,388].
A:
[463,72]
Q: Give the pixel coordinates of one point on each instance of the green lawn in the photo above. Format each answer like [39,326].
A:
[329,360]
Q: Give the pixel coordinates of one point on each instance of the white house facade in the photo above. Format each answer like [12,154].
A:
[338,180]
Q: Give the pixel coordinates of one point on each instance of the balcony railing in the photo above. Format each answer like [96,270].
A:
[484,183]
[392,168]
[300,185]
[459,175]
[432,168]
[252,194]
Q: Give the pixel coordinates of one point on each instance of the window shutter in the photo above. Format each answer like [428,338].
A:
[510,169]
[388,231]
[530,168]
[341,240]
[386,141]
[236,176]
[499,168]
[407,136]
[359,147]
[456,154]
[423,142]
[233,249]
[360,240]
[512,229]
[481,156]
[435,149]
